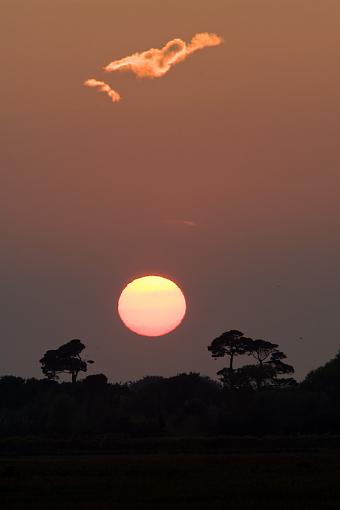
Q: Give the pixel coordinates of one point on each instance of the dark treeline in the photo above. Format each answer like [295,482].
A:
[254,399]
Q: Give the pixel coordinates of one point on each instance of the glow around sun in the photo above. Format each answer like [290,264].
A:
[152,306]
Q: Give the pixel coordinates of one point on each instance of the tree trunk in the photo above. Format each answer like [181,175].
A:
[74,377]
[231,373]
[231,362]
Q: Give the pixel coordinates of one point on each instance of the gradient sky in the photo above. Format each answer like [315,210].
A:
[242,139]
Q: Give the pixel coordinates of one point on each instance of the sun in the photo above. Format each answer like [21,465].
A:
[152,306]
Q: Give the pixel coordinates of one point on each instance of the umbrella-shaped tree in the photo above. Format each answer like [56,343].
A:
[65,359]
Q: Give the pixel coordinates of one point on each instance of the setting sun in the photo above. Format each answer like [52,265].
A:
[152,306]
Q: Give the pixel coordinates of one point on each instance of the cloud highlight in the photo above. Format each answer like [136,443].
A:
[103,87]
[155,63]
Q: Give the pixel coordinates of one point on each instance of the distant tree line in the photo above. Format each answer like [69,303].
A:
[255,399]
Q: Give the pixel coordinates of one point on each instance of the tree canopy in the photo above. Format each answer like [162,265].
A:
[65,359]
[262,374]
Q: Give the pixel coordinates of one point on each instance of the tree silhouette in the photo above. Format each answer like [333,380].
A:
[231,344]
[65,359]
[325,378]
[269,367]
[277,363]
[264,374]
[262,349]
[95,381]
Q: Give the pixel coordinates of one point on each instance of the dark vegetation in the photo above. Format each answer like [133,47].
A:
[167,482]
[255,399]
[275,442]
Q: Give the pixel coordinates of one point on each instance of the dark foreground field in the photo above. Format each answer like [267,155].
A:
[167,481]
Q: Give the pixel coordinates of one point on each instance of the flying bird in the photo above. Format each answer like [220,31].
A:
[154,63]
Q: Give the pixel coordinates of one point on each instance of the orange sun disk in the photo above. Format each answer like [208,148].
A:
[152,306]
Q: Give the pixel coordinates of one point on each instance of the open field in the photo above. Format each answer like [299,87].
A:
[166,481]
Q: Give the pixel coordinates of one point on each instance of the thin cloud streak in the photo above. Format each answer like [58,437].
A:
[186,223]
[103,87]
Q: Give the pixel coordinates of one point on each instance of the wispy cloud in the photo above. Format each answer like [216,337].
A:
[103,87]
[186,223]
[154,62]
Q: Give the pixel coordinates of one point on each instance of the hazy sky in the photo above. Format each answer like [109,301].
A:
[243,139]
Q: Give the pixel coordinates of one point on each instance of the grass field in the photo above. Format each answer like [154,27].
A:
[165,481]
